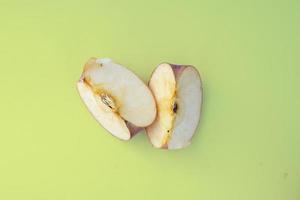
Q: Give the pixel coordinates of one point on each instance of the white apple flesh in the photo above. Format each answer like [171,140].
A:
[116,97]
[177,90]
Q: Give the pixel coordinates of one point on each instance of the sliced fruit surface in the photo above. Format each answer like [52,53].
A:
[177,90]
[116,97]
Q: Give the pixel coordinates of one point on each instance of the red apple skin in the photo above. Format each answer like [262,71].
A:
[177,69]
[133,129]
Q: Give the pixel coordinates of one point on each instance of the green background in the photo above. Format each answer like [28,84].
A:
[248,142]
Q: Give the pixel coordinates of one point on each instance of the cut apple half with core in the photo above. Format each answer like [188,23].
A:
[177,90]
[116,97]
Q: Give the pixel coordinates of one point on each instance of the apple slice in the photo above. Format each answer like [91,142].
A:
[116,97]
[177,90]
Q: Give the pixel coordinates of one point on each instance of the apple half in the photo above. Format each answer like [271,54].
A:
[177,90]
[116,97]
